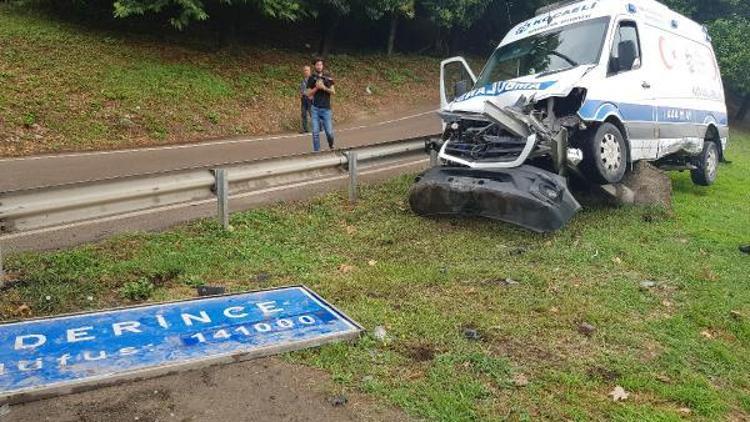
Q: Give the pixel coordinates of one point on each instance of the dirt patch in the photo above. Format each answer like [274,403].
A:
[650,185]
[645,185]
[261,390]
[523,351]
[419,352]
[600,372]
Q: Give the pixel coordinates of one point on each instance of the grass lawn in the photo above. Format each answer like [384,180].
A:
[680,348]
[67,87]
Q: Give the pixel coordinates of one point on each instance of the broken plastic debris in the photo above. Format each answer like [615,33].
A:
[338,400]
[526,196]
[647,284]
[379,333]
[471,334]
[210,290]
[586,329]
[619,394]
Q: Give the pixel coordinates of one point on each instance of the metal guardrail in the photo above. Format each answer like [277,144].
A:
[33,209]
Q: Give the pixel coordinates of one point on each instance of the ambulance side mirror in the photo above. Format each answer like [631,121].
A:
[627,53]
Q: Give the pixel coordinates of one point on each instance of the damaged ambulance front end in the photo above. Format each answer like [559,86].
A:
[509,143]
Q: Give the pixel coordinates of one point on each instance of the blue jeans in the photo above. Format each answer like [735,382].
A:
[322,115]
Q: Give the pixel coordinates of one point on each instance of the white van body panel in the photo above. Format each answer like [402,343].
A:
[667,105]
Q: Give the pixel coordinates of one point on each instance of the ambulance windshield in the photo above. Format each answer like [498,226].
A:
[549,52]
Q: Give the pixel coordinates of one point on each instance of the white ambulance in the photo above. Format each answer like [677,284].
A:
[590,86]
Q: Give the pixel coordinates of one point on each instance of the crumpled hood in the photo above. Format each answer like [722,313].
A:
[507,93]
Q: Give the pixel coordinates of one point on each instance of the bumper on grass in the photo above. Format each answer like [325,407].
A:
[526,196]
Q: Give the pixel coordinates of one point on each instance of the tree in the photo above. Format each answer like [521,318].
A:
[708,11]
[328,14]
[186,11]
[395,10]
[452,15]
[733,53]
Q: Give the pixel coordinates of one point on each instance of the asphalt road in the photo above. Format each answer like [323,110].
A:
[50,170]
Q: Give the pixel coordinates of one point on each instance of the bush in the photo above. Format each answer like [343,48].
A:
[29,119]
[138,290]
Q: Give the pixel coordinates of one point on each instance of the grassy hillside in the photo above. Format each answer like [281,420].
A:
[64,87]
[679,345]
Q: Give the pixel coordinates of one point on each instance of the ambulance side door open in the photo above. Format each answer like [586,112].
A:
[628,87]
[456,79]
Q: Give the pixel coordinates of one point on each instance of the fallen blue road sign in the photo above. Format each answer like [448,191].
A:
[50,356]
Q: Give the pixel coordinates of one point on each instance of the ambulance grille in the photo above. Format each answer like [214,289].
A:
[493,149]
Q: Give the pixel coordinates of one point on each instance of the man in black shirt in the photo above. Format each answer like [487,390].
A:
[320,88]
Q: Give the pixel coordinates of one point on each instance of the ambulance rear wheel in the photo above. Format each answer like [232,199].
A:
[605,156]
[707,165]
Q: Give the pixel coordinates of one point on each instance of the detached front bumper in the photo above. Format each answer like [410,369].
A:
[526,196]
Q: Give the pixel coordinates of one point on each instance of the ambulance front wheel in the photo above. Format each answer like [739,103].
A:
[605,155]
[707,165]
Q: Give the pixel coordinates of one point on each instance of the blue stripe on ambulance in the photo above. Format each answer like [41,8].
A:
[501,87]
[597,110]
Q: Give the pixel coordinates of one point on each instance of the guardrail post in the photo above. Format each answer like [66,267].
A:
[222,197]
[433,158]
[2,269]
[351,159]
